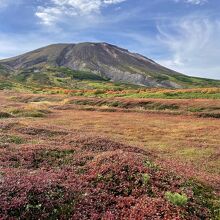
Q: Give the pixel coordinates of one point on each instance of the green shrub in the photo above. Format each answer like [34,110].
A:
[145,178]
[176,198]
[195,109]
[114,104]
[35,113]
[99,92]
[16,140]
[151,165]
[209,115]
[5,85]
[11,139]
[5,115]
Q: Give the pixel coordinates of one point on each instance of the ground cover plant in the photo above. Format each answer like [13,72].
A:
[87,177]
[42,104]
[61,80]
[126,91]
[200,108]
[140,161]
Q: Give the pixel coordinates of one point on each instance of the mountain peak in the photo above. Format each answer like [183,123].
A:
[103,59]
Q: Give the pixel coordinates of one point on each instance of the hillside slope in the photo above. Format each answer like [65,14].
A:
[107,61]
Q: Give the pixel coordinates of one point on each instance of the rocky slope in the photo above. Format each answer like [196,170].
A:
[108,61]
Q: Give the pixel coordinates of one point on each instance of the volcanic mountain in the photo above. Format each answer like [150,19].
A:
[104,60]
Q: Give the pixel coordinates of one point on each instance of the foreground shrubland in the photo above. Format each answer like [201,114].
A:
[58,159]
[59,174]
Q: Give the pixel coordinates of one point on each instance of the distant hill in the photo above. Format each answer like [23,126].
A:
[95,61]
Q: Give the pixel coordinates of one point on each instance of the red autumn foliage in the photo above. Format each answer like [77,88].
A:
[75,177]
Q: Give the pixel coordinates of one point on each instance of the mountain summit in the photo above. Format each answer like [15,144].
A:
[105,60]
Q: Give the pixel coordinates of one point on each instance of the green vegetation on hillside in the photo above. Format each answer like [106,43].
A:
[3,71]
[193,82]
[52,80]
[54,76]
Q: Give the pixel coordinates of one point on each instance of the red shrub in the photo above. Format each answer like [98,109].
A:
[88,178]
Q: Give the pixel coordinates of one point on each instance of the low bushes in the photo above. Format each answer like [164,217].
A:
[145,178]
[5,115]
[34,113]
[146,105]
[11,139]
[92,178]
[176,198]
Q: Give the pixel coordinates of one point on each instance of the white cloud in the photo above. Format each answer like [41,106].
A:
[113,1]
[194,2]
[79,6]
[194,44]
[49,15]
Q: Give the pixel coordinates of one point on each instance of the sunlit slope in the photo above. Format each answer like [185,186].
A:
[106,61]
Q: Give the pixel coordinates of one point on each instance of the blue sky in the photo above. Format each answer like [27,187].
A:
[181,34]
